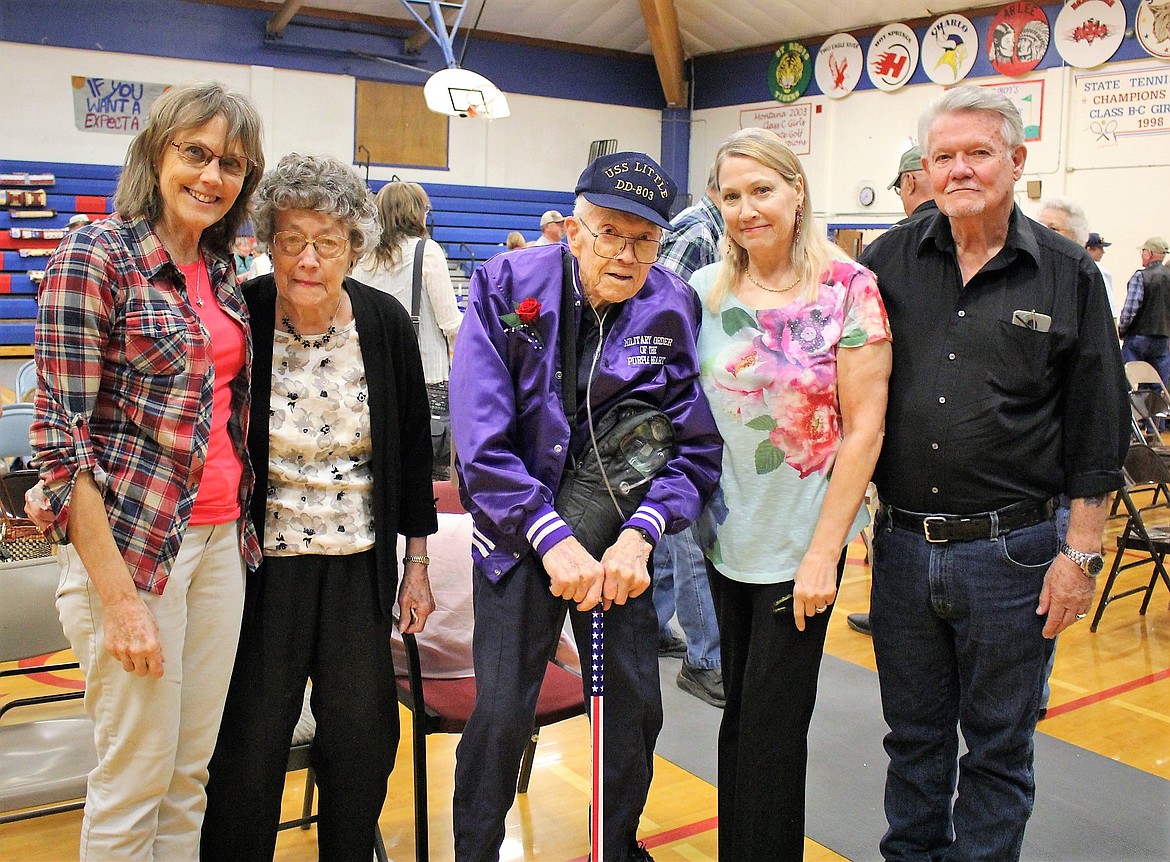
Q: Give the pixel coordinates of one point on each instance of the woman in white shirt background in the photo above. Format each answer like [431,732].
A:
[402,211]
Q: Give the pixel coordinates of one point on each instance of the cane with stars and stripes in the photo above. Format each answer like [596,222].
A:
[597,692]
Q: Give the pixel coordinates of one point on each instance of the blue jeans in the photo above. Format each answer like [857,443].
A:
[1154,349]
[959,647]
[680,582]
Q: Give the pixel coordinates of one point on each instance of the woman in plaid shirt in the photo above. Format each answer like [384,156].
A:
[143,357]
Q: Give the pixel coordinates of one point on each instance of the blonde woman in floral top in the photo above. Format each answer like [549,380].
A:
[795,359]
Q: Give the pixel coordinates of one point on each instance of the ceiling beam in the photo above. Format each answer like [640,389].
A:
[284,14]
[415,41]
[666,43]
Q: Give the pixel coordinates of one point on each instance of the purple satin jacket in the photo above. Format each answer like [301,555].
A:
[508,423]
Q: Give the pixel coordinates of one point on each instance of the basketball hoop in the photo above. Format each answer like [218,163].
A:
[462,93]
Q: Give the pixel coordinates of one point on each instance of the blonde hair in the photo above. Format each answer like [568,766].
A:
[516,240]
[183,108]
[402,212]
[811,252]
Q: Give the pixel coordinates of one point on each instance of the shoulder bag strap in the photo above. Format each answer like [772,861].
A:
[416,282]
[568,338]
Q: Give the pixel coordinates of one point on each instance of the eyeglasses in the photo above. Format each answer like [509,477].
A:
[613,245]
[326,246]
[198,156]
[902,178]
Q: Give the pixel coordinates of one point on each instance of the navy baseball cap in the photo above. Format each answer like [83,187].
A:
[631,183]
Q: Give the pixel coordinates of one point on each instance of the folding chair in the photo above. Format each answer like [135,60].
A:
[1145,472]
[444,705]
[1149,404]
[46,761]
[26,381]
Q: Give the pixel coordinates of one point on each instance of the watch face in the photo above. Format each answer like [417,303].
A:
[1095,565]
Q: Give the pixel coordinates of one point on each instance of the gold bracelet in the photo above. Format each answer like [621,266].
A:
[417,558]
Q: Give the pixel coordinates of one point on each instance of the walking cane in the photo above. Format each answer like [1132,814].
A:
[597,689]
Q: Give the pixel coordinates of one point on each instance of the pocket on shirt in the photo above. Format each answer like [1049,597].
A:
[1023,359]
[155,339]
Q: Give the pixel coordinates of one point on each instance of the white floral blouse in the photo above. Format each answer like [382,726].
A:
[320,488]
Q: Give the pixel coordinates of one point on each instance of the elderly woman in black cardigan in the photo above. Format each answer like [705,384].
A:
[340,442]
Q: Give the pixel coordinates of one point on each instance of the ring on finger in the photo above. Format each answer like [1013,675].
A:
[821,609]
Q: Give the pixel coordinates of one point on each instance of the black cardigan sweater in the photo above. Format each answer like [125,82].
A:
[400,423]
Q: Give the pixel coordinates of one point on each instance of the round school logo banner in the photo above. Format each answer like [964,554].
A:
[838,65]
[1089,32]
[1153,27]
[949,48]
[1017,39]
[892,57]
[789,72]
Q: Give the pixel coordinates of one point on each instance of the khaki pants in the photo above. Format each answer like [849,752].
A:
[146,797]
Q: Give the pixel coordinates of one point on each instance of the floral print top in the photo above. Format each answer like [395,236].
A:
[770,376]
[320,487]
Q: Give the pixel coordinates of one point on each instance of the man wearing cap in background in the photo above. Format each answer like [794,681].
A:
[633,326]
[1144,324]
[79,220]
[913,187]
[1095,245]
[552,228]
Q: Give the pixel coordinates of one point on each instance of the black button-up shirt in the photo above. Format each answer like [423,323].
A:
[983,411]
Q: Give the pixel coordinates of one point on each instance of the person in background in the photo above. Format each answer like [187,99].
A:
[995,321]
[261,262]
[1095,245]
[76,221]
[143,358]
[389,267]
[519,446]
[1144,324]
[795,356]
[340,436]
[242,254]
[515,240]
[680,575]
[552,228]
[913,186]
[1066,217]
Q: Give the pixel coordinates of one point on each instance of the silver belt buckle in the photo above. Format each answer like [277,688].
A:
[926,527]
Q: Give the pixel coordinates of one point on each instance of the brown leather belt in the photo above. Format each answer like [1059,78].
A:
[966,528]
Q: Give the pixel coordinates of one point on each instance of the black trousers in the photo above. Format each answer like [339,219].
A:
[517,624]
[317,617]
[770,672]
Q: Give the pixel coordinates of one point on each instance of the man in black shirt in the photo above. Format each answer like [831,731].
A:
[1007,390]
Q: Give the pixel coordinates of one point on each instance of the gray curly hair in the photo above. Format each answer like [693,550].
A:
[322,184]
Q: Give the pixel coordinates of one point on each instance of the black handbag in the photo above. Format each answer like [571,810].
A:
[629,444]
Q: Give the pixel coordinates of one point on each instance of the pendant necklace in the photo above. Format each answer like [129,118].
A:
[198,271]
[748,273]
[319,341]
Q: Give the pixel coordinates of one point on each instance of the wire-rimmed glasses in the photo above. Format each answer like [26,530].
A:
[613,245]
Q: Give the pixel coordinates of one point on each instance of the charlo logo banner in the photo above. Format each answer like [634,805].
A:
[112,106]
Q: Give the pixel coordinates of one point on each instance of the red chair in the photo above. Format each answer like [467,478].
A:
[444,705]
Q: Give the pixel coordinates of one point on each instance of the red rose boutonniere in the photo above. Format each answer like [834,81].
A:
[522,320]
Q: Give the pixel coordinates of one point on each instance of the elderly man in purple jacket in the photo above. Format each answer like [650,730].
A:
[634,326]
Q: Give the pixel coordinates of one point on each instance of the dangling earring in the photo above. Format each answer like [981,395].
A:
[798,228]
[730,249]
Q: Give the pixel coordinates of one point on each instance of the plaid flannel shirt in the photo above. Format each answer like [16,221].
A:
[1135,295]
[125,390]
[693,240]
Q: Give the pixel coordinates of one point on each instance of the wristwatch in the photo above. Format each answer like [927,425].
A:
[1091,564]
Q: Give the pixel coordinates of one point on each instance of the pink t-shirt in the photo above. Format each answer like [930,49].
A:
[218,498]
